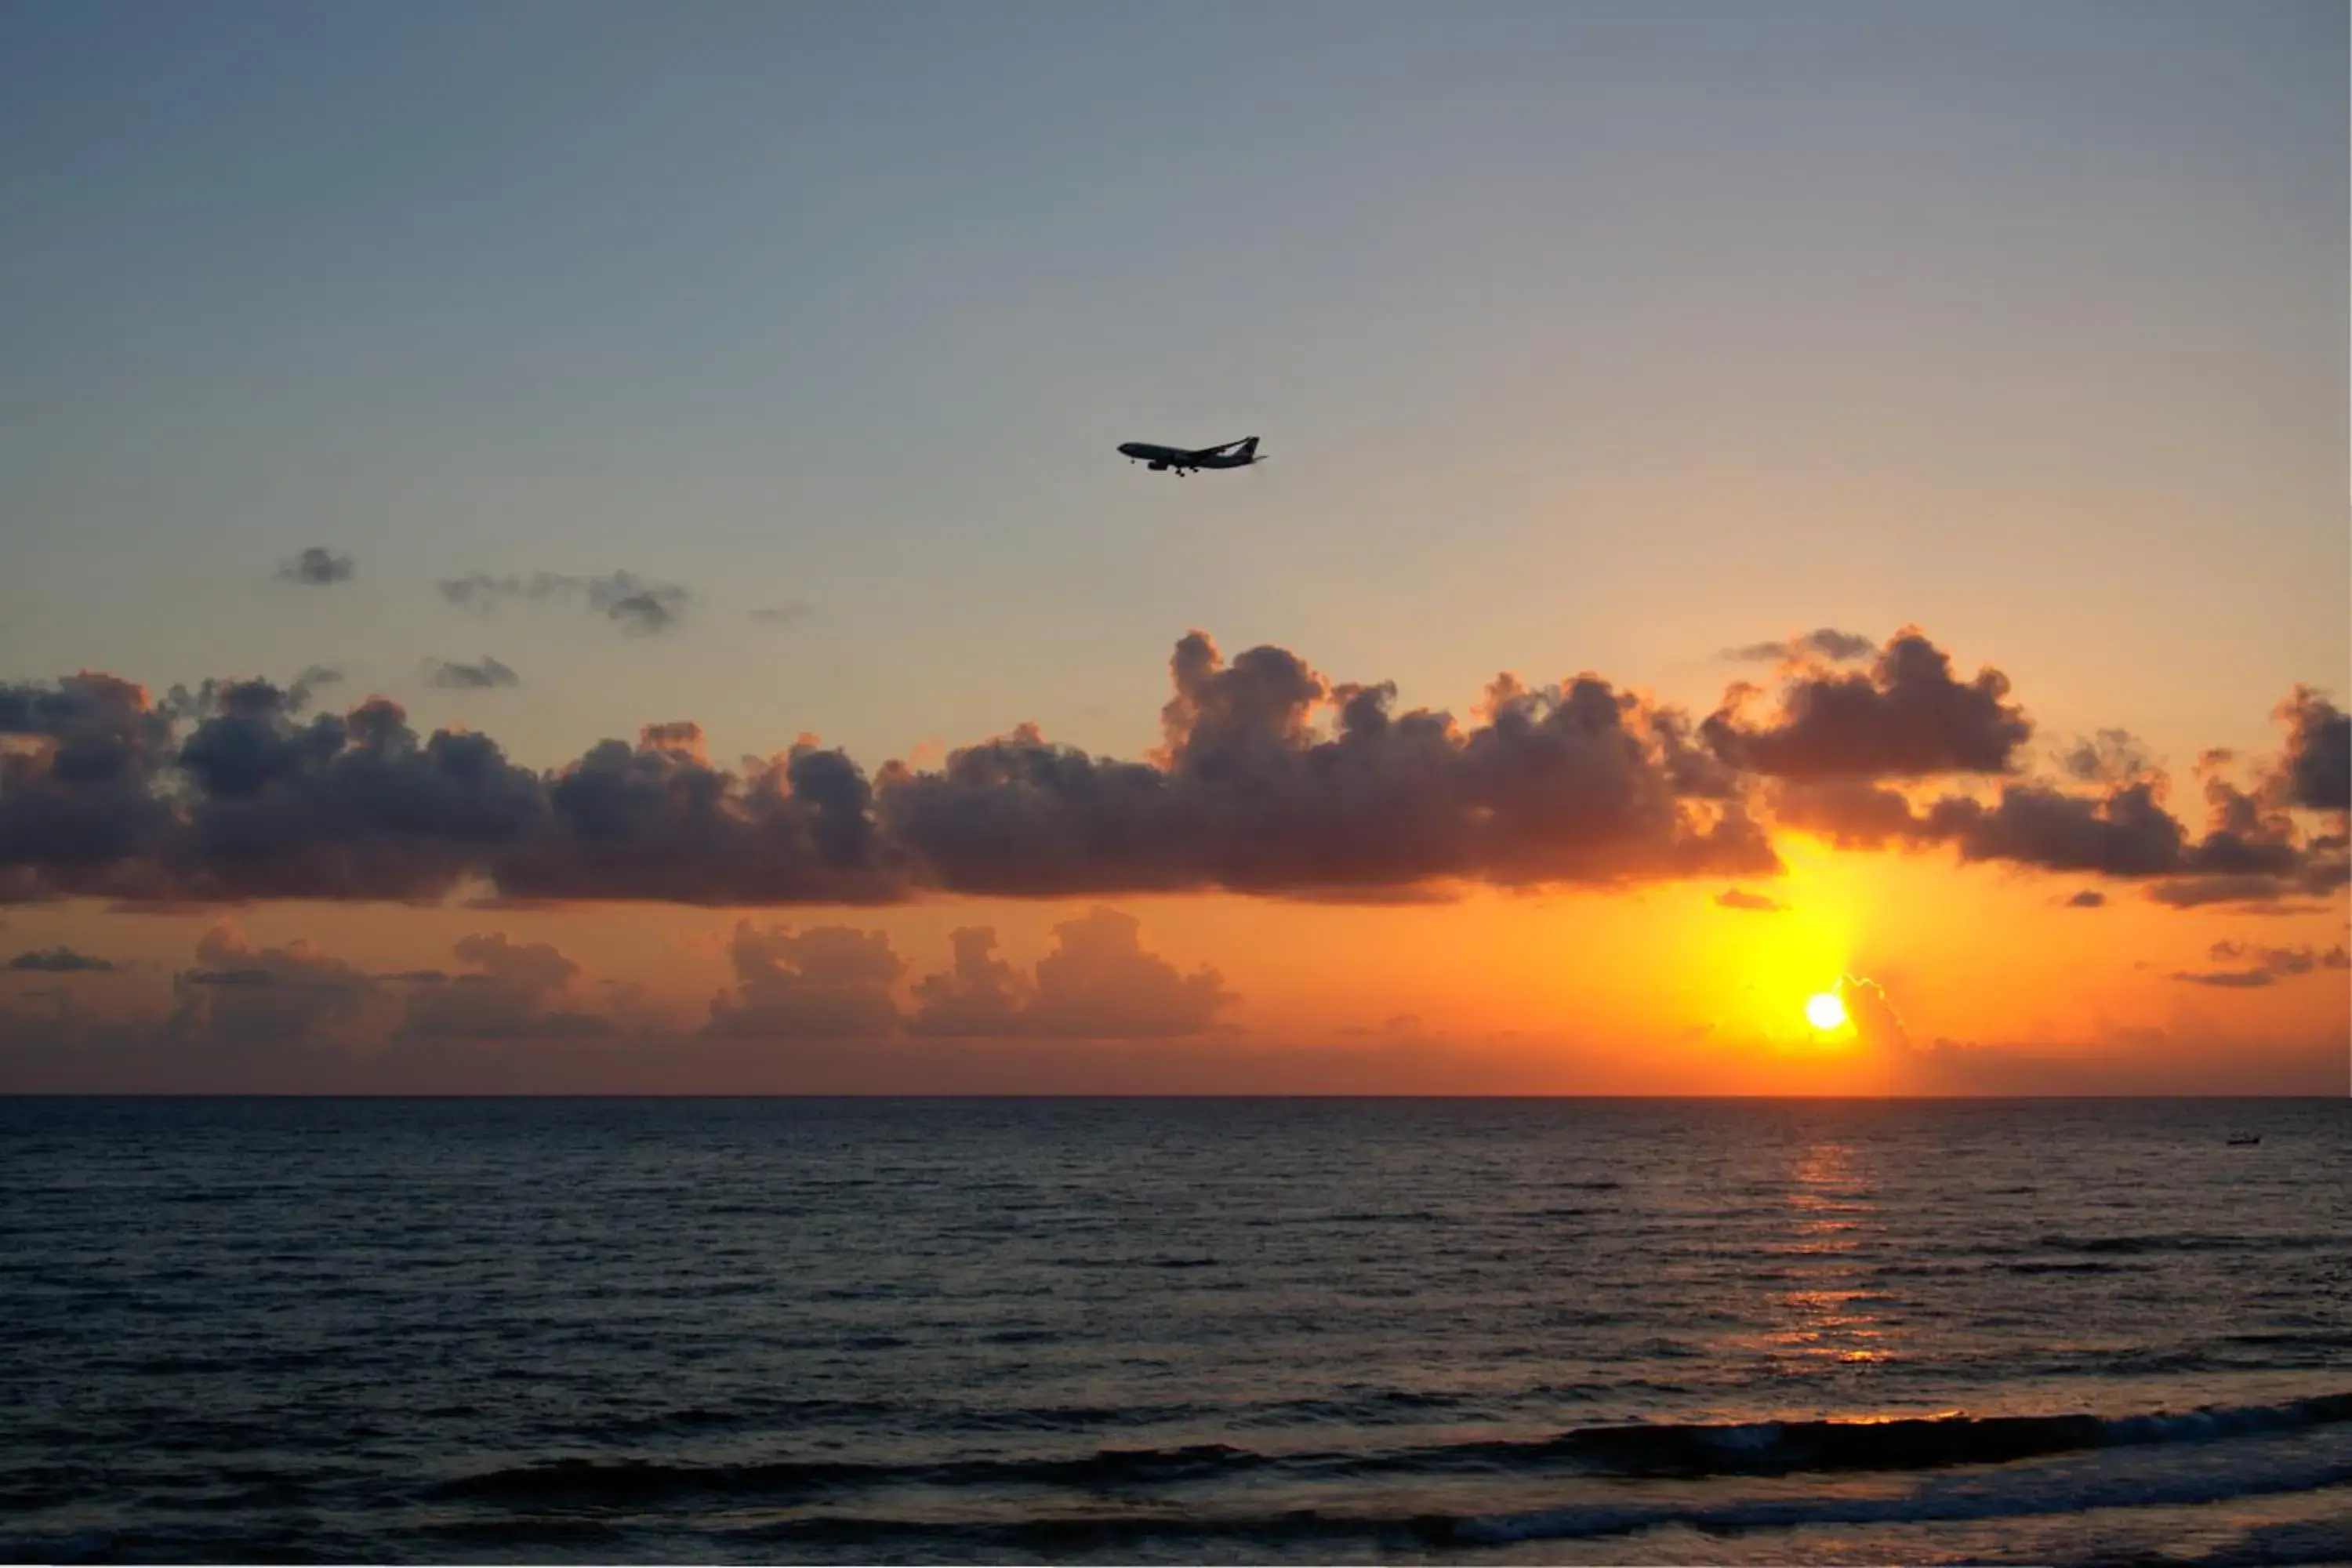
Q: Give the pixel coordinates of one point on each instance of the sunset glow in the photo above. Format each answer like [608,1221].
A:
[675,616]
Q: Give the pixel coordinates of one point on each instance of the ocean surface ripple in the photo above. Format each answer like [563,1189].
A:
[1022,1330]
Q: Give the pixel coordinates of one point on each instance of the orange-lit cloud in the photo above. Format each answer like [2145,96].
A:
[1271,779]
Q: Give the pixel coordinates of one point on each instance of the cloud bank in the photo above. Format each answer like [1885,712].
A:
[1270,779]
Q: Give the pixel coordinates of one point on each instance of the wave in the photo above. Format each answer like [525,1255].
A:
[2027,1494]
[640,1482]
[1687,1451]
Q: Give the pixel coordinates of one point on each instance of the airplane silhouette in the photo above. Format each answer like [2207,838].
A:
[1231,454]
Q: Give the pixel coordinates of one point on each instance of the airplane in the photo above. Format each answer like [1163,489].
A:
[1232,454]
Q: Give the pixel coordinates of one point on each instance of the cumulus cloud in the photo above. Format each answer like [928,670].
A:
[2255,966]
[825,982]
[1823,643]
[1740,898]
[238,993]
[57,960]
[979,993]
[1098,982]
[1905,718]
[1270,779]
[2314,771]
[2251,850]
[317,568]
[507,990]
[631,602]
[456,675]
[1575,783]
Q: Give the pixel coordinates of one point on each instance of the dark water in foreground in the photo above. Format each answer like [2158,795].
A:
[1492,1332]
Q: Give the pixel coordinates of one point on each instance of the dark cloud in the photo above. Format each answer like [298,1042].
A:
[2315,771]
[2122,834]
[1849,814]
[57,960]
[1824,642]
[1906,718]
[2229,979]
[825,982]
[1098,982]
[2248,852]
[81,764]
[2258,966]
[1739,898]
[624,598]
[2111,757]
[317,568]
[658,822]
[2088,898]
[455,676]
[2252,895]
[1269,779]
[1571,784]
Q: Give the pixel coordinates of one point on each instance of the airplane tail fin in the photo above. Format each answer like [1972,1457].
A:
[1249,447]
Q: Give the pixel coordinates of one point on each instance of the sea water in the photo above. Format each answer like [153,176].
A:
[1477,1331]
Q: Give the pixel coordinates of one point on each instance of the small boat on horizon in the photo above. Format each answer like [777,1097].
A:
[2239,1140]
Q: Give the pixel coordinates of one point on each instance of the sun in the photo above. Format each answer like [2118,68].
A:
[1824,1010]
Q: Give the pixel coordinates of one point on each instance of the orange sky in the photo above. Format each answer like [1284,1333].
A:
[470,454]
[1989,977]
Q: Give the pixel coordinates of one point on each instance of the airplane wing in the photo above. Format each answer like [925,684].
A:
[1223,447]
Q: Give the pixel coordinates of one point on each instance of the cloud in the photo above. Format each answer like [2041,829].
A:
[1824,642]
[238,993]
[1849,814]
[57,960]
[629,601]
[1738,898]
[791,612]
[658,822]
[2086,899]
[507,991]
[1875,1023]
[1575,782]
[457,676]
[2314,771]
[2250,851]
[1906,718]
[2260,966]
[1270,779]
[979,993]
[2111,756]
[2248,894]
[1098,982]
[317,568]
[827,981]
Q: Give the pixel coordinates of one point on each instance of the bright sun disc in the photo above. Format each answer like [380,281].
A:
[1824,1011]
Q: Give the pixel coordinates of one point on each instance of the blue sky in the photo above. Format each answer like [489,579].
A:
[1581,336]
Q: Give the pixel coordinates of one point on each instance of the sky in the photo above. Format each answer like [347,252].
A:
[1844,473]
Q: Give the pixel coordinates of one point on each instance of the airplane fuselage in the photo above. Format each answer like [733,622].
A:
[1232,454]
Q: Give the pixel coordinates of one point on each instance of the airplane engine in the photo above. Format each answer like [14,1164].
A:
[1158,468]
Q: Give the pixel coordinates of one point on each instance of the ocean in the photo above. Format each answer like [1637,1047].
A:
[1192,1331]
